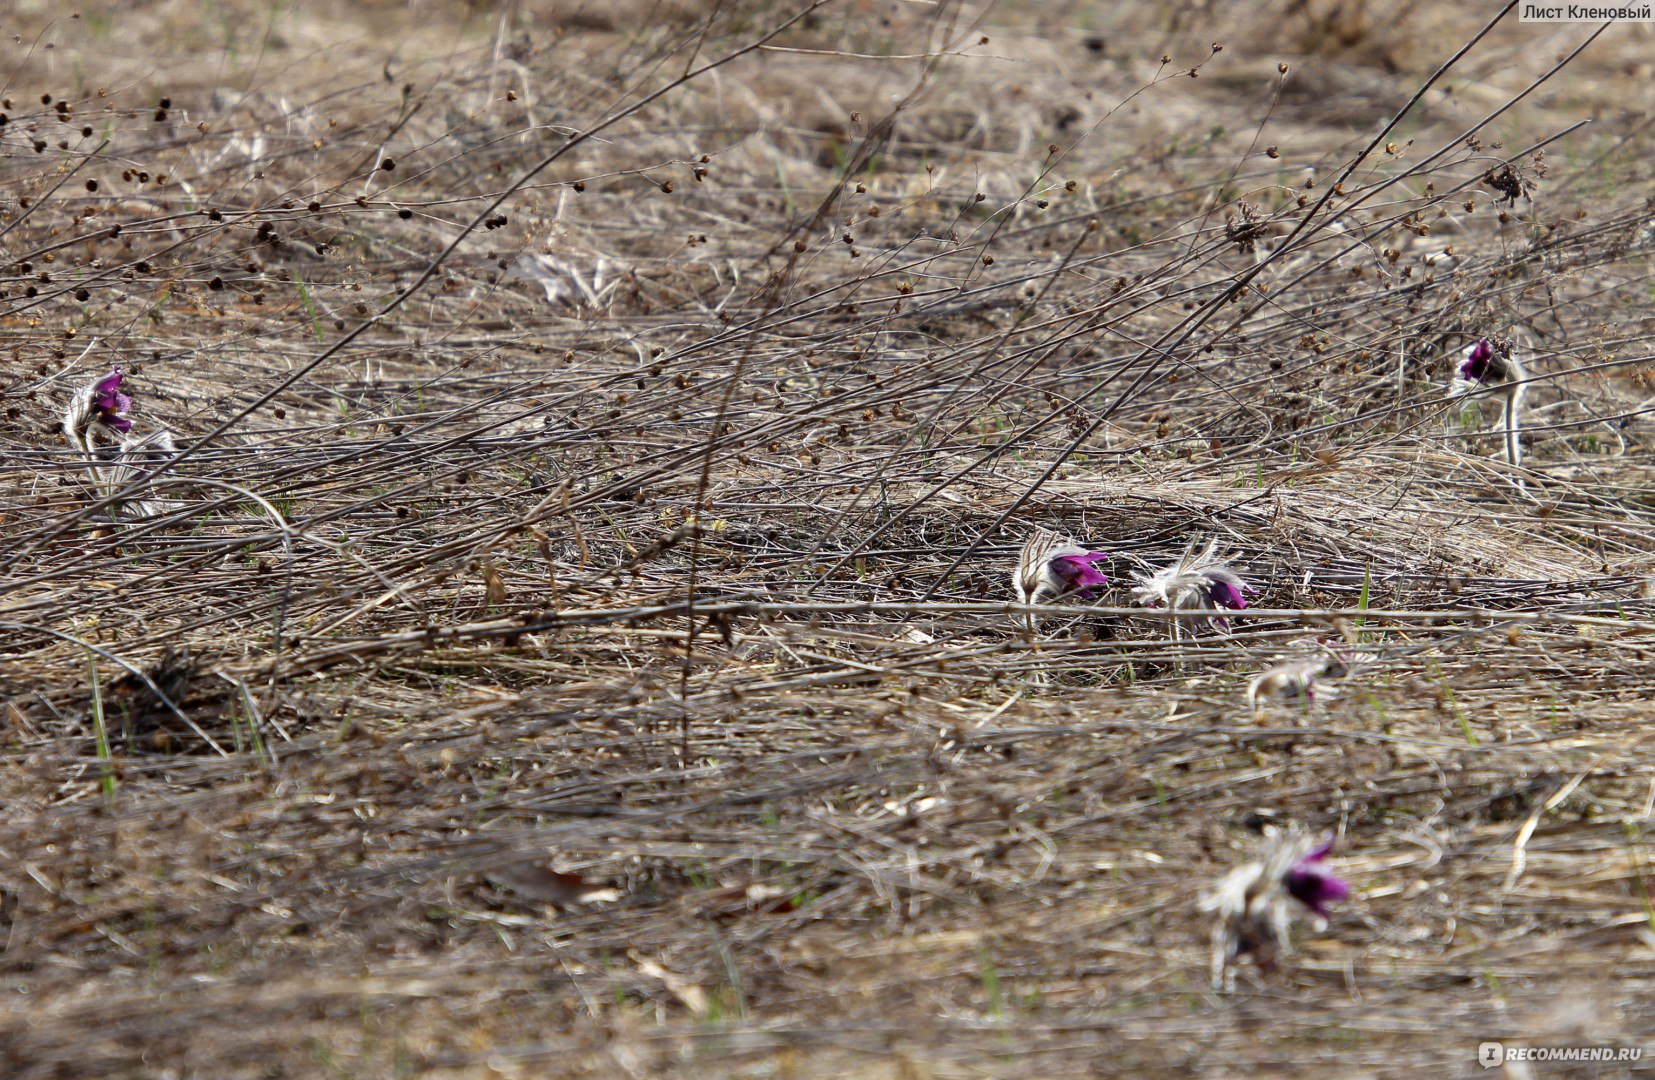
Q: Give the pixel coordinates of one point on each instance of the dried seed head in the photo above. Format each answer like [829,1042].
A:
[1244,225]
[1509,182]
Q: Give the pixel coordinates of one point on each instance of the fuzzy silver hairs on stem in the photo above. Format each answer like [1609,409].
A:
[1489,367]
[1049,567]
[95,419]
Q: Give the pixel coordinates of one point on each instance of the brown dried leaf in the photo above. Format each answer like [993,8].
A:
[494,589]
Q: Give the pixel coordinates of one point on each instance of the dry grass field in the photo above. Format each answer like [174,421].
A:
[574,634]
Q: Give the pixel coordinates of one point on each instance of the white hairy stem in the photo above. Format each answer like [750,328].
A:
[1513,406]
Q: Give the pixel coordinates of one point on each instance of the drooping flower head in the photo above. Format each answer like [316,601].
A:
[1474,361]
[1196,580]
[98,406]
[1306,675]
[1078,572]
[1314,885]
[112,405]
[1050,567]
[1255,902]
[1295,681]
[1489,366]
[1488,362]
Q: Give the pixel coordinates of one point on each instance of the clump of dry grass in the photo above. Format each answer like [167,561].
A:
[577,635]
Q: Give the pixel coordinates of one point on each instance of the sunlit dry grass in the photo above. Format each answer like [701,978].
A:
[579,637]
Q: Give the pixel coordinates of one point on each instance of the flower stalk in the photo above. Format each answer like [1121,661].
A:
[97,424]
[1489,367]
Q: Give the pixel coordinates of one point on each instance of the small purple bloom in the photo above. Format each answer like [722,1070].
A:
[1477,358]
[1079,573]
[1226,595]
[1199,579]
[1314,885]
[111,404]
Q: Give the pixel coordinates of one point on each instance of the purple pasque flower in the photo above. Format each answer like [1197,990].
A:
[1296,680]
[1489,362]
[1198,579]
[1314,885]
[1255,903]
[1475,360]
[1050,566]
[1078,572]
[110,404]
[1228,592]
[1490,367]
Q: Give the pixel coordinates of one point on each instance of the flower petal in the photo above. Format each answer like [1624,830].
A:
[1223,594]
[1474,368]
[1078,572]
[111,404]
[1312,884]
[107,388]
[1318,854]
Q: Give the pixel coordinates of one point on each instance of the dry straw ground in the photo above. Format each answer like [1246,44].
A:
[577,639]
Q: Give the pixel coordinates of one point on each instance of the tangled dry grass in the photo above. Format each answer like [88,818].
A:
[577,636]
